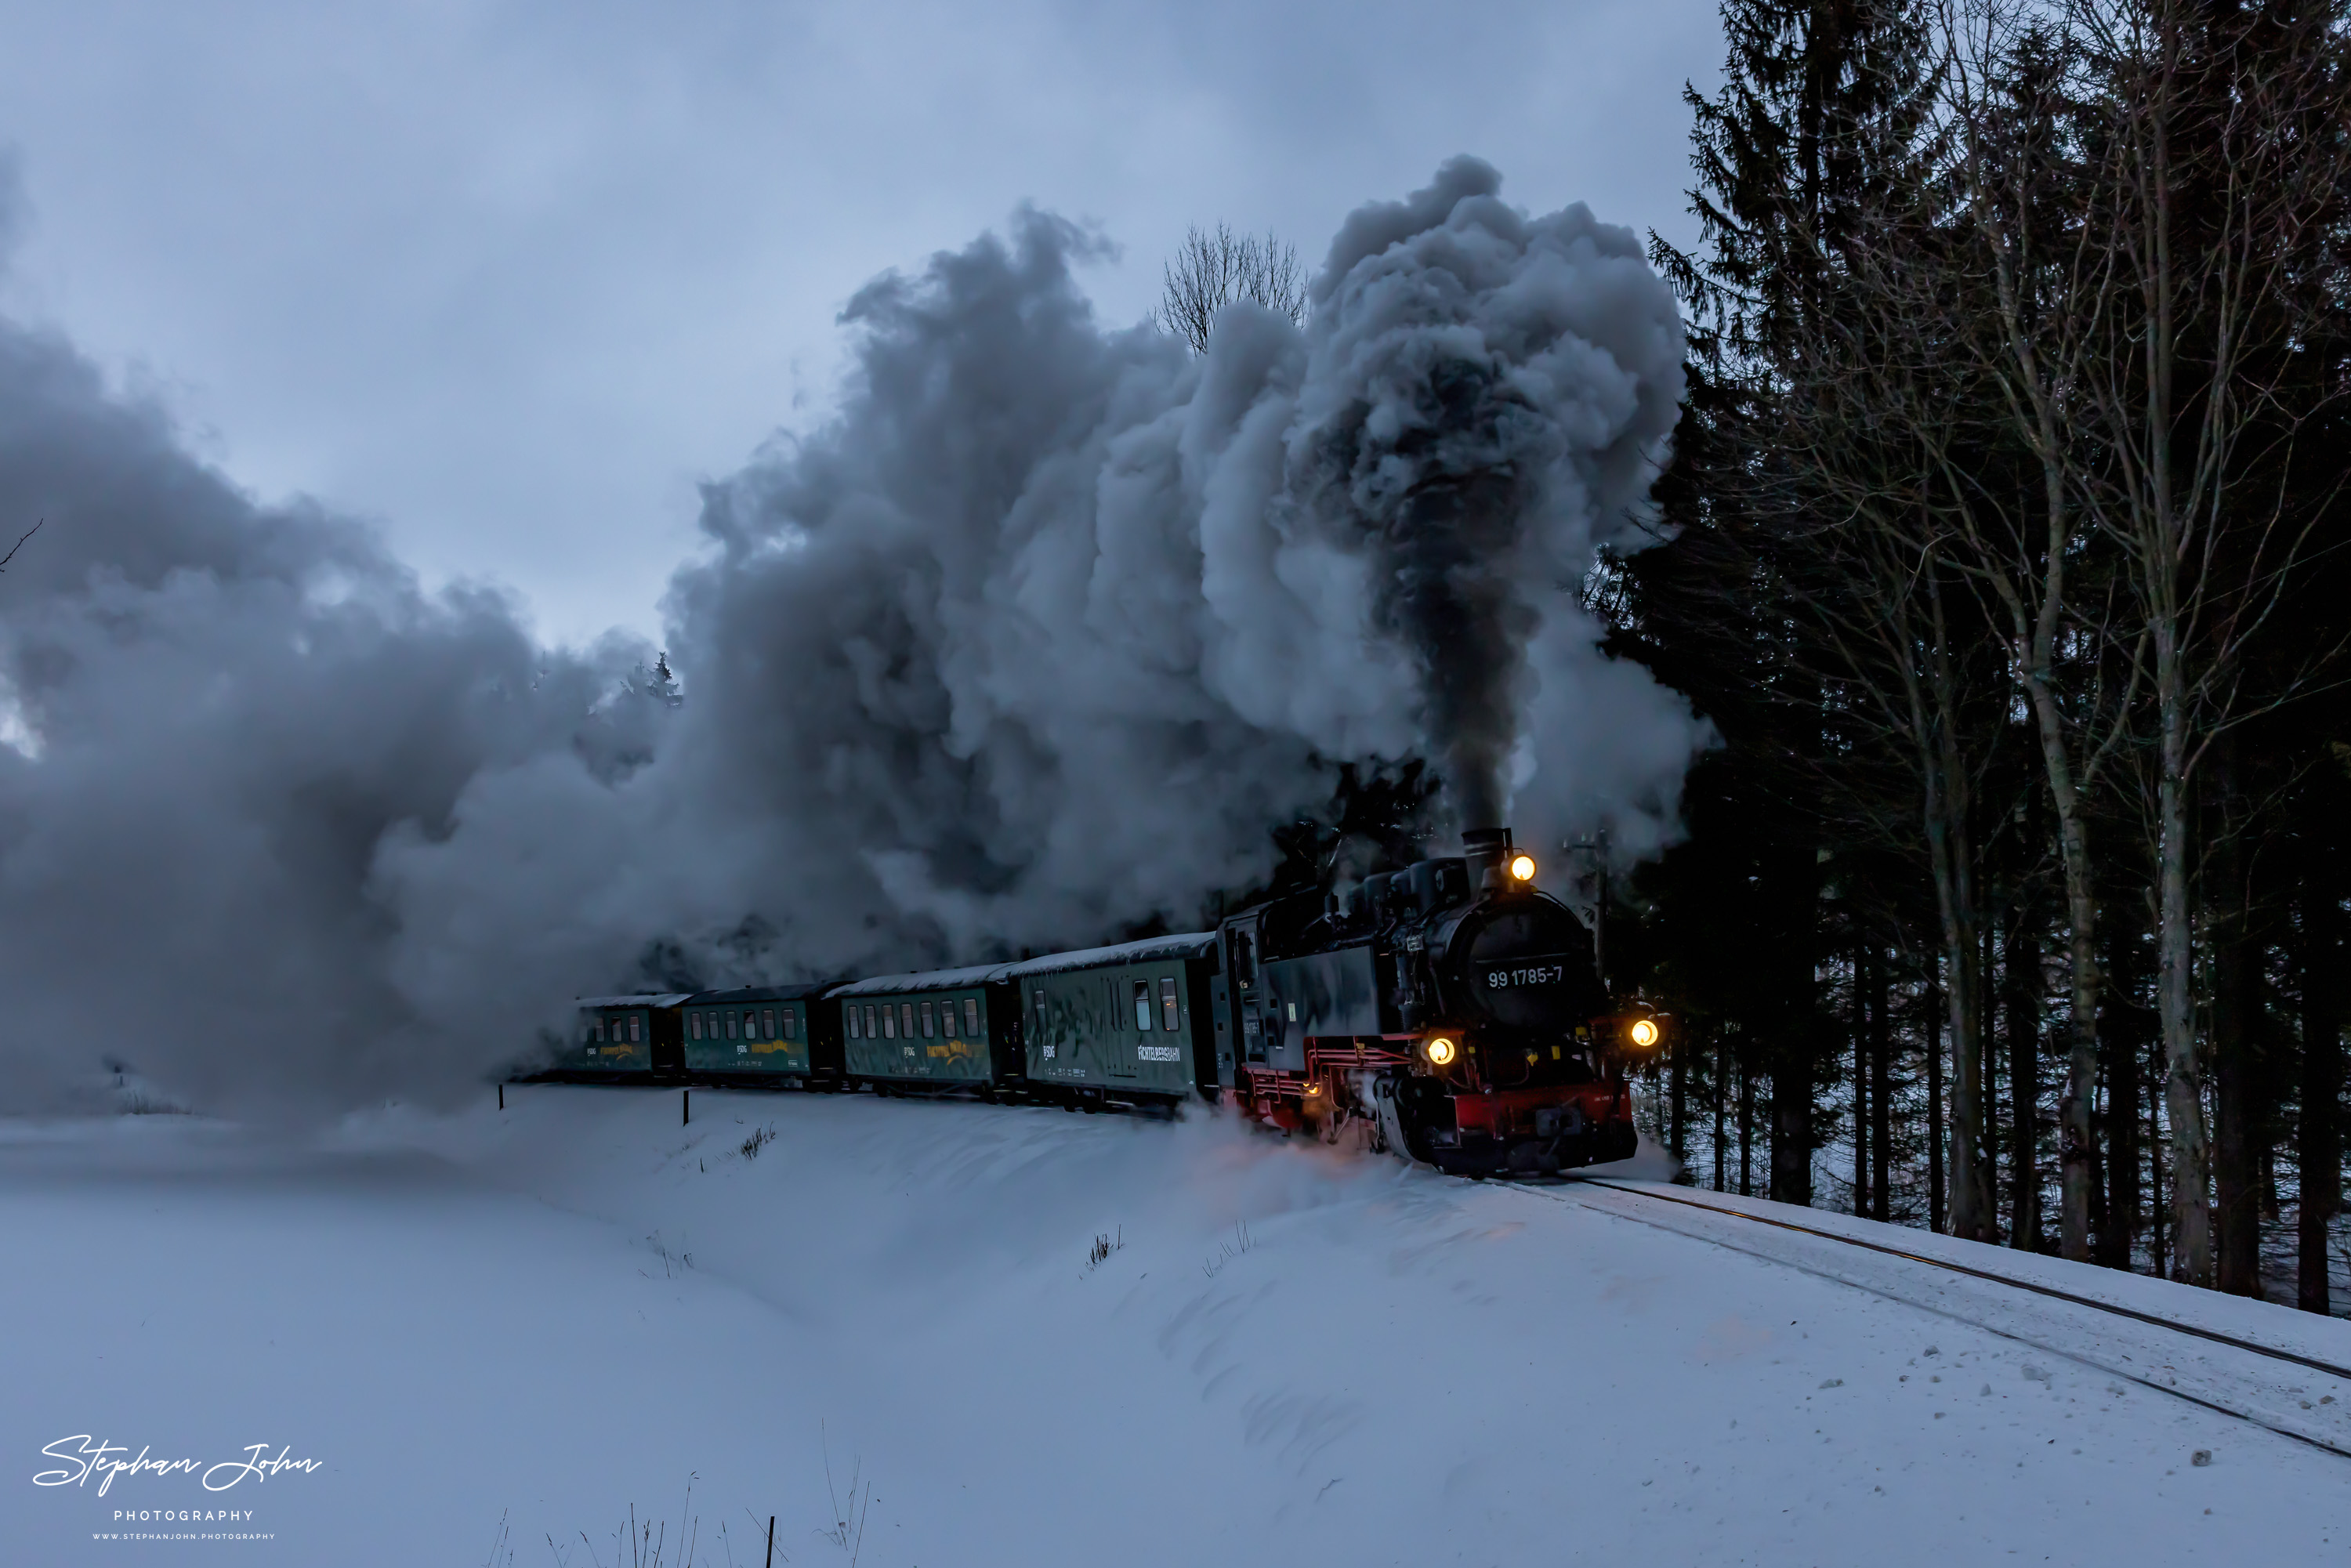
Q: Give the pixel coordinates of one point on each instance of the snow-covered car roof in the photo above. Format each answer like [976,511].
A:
[924,980]
[1188,944]
[649,1000]
[758,994]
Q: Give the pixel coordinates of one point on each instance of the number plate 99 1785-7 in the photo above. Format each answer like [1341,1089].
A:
[1546,971]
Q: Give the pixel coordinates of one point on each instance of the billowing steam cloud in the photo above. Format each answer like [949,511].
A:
[1485,398]
[1033,641]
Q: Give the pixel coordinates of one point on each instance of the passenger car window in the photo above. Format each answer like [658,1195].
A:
[906,1019]
[926,1020]
[1168,1019]
[971,1015]
[1142,1005]
[889,1022]
[854,1033]
[768,1023]
[636,1027]
[791,1024]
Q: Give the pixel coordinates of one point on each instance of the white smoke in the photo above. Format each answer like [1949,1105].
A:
[1033,641]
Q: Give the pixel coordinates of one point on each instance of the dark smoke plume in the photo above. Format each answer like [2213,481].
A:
[1492,392]
[1033,640]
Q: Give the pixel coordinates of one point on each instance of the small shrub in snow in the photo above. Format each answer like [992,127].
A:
[848,1531]
[1099,1253]
[673,1263]
[501,1547]
[757,1141]
[1228,1250]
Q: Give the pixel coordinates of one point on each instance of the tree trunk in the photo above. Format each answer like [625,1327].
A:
[1934,1097]
[2183,1084]
[1677,1124]
[2097,1175]
[1721,1098]
[1971,1194]
[2236,1175]
[2158,1243]
[2073,1144]
[2021,973]
[1792,1122]
[2120,1039]
[1860,1030]
[1988,960]
[1745,1129]
[2321,1151]
[1946,790]
[1881,1107]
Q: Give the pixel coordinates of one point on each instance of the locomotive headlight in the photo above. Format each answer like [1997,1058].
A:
[1645,1033]
[1522,868]
[1441,1051]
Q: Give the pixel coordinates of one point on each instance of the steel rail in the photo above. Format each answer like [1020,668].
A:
[2248,1418]
[2049,1290]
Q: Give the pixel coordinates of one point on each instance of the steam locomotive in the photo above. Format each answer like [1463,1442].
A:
[1448,1012]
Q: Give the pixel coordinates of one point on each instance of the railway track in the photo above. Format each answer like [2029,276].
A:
[2305,1398]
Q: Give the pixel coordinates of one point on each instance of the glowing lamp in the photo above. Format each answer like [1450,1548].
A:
[1522,868]
[1645,1033]
[1440,1052]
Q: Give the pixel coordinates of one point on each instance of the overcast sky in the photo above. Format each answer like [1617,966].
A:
[510,277]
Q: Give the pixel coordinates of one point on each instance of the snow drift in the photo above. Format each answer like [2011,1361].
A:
[1283,1355]
[1033,640]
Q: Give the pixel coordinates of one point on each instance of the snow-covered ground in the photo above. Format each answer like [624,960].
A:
[550,1315]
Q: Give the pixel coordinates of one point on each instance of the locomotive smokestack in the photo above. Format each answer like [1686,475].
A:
[1488,850]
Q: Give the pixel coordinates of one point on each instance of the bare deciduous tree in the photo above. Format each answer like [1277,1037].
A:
[2219,199]
[2039,281]
[1212,270]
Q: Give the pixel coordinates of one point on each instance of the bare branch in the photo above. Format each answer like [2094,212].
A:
[4,559]
[1210,271]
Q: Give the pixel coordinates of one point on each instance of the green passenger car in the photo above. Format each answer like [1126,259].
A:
[933,1030]
[753,1032]
[628,1036]
[1130,1022]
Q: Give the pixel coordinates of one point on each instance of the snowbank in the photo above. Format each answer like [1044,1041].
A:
[1288,1356]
